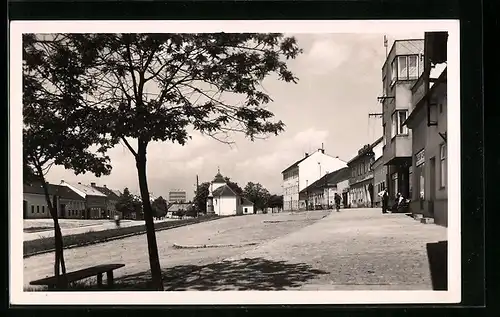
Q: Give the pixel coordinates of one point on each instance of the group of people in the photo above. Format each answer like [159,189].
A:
[398,202]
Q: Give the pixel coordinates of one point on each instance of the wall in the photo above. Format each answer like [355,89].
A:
[291,190]
[249,210]
[74,209]
[309,170]
[39,201]
[379,180]
[226,206]
[97,205]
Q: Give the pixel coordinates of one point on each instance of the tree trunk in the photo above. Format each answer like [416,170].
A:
[59,256]
[154,260]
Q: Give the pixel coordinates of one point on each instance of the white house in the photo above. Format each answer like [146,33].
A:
[223,201]
[304,172]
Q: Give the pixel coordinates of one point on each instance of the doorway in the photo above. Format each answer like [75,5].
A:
[432,185]
[25,209]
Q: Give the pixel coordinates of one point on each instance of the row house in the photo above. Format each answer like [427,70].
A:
[428,123]
[321,193]
[379,173]
[361,180]
[304,172]
[112,197]
[401,70]
[68,204]
[95,201]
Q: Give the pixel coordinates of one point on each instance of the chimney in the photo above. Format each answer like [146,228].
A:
[306,154]
[105,186]
[79,183]
[92,184]
[62,181]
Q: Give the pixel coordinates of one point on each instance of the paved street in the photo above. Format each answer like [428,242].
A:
[353,249]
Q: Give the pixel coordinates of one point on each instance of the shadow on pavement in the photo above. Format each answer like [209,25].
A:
[437,254]
[246,274]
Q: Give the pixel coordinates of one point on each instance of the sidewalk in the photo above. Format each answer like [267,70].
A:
[356,249]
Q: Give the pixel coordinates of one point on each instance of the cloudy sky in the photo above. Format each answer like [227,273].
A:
[339,81]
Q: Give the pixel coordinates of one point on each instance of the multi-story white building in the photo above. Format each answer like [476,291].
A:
[177,196]
[304,172]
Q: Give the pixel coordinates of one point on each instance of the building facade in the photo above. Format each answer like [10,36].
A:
[379,173]
[304,172]
[111,199]
[177,196]
[321,193]
[428,123]
[68,204]
[361,180]
[95,201]
[400,71]
[223,200]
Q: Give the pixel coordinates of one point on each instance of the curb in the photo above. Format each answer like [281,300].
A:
[205,246]
[72,246]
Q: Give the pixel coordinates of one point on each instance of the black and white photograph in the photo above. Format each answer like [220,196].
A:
[235,162]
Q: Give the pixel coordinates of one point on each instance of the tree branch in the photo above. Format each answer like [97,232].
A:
[130,148]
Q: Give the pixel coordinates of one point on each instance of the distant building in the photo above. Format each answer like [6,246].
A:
[224,201]
[361,181]
[177,196]
[428,123]
[379,173]
[95,201]
[112,197]
[304,172]
[321,193]
[400,72]
[68,204]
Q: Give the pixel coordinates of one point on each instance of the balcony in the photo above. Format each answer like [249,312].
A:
[398,150]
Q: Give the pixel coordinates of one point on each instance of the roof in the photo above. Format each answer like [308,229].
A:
[108,192]
[177,207]
[84,190]
[246,202]
[219,178]
[368,150]
[61,191]
[294,164]
[330,179]
[224,190]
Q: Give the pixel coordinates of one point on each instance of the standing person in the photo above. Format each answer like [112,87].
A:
[385,200]
[337,202]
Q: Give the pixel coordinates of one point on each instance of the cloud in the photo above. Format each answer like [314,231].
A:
[324,56]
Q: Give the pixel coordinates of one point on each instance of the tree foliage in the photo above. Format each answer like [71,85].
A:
[160,87]
[257,194]
[160,207]
[234,186]
[200,197]
[57,129]
[127,204]
[275,201]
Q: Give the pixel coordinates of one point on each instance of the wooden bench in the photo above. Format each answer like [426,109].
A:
[62,281]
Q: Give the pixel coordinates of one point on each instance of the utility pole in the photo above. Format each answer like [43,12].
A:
[197,189]
[385,45]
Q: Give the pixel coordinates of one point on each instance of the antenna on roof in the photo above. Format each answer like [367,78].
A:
[385,45]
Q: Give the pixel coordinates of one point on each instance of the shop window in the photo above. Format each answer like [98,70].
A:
[443,166]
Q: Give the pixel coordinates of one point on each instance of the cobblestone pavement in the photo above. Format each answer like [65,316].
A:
[356,249]
[133,252]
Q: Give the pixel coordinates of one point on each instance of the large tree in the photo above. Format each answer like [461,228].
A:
[257,194]
[57,128]
[127,204]
[234,186]
[161,87]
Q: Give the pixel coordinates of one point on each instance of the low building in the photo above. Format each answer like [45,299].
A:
[361,180]
[248,207]
[222,199]
[95,201]
[112,198]
[34,201]
[321,193]
[68,204]
[428,123]
[175,208]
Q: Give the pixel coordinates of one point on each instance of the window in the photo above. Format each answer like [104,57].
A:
[443,168]
[43,209]
[412,66]
[383,133]
[394,75]
[410,181]
[246,210]
[402,67]
[398,118]
[405,68]
[32,209]
[37,209]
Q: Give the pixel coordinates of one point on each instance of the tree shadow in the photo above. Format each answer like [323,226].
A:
[243,275]
[437,254]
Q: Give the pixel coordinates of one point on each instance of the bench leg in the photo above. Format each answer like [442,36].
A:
[99,279]
[109,276]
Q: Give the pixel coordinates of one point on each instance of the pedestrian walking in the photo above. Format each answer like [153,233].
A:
[337,202]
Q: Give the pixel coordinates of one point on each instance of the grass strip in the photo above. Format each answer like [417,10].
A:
[44,245]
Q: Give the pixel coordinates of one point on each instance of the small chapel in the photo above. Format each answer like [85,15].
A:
[223,201]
